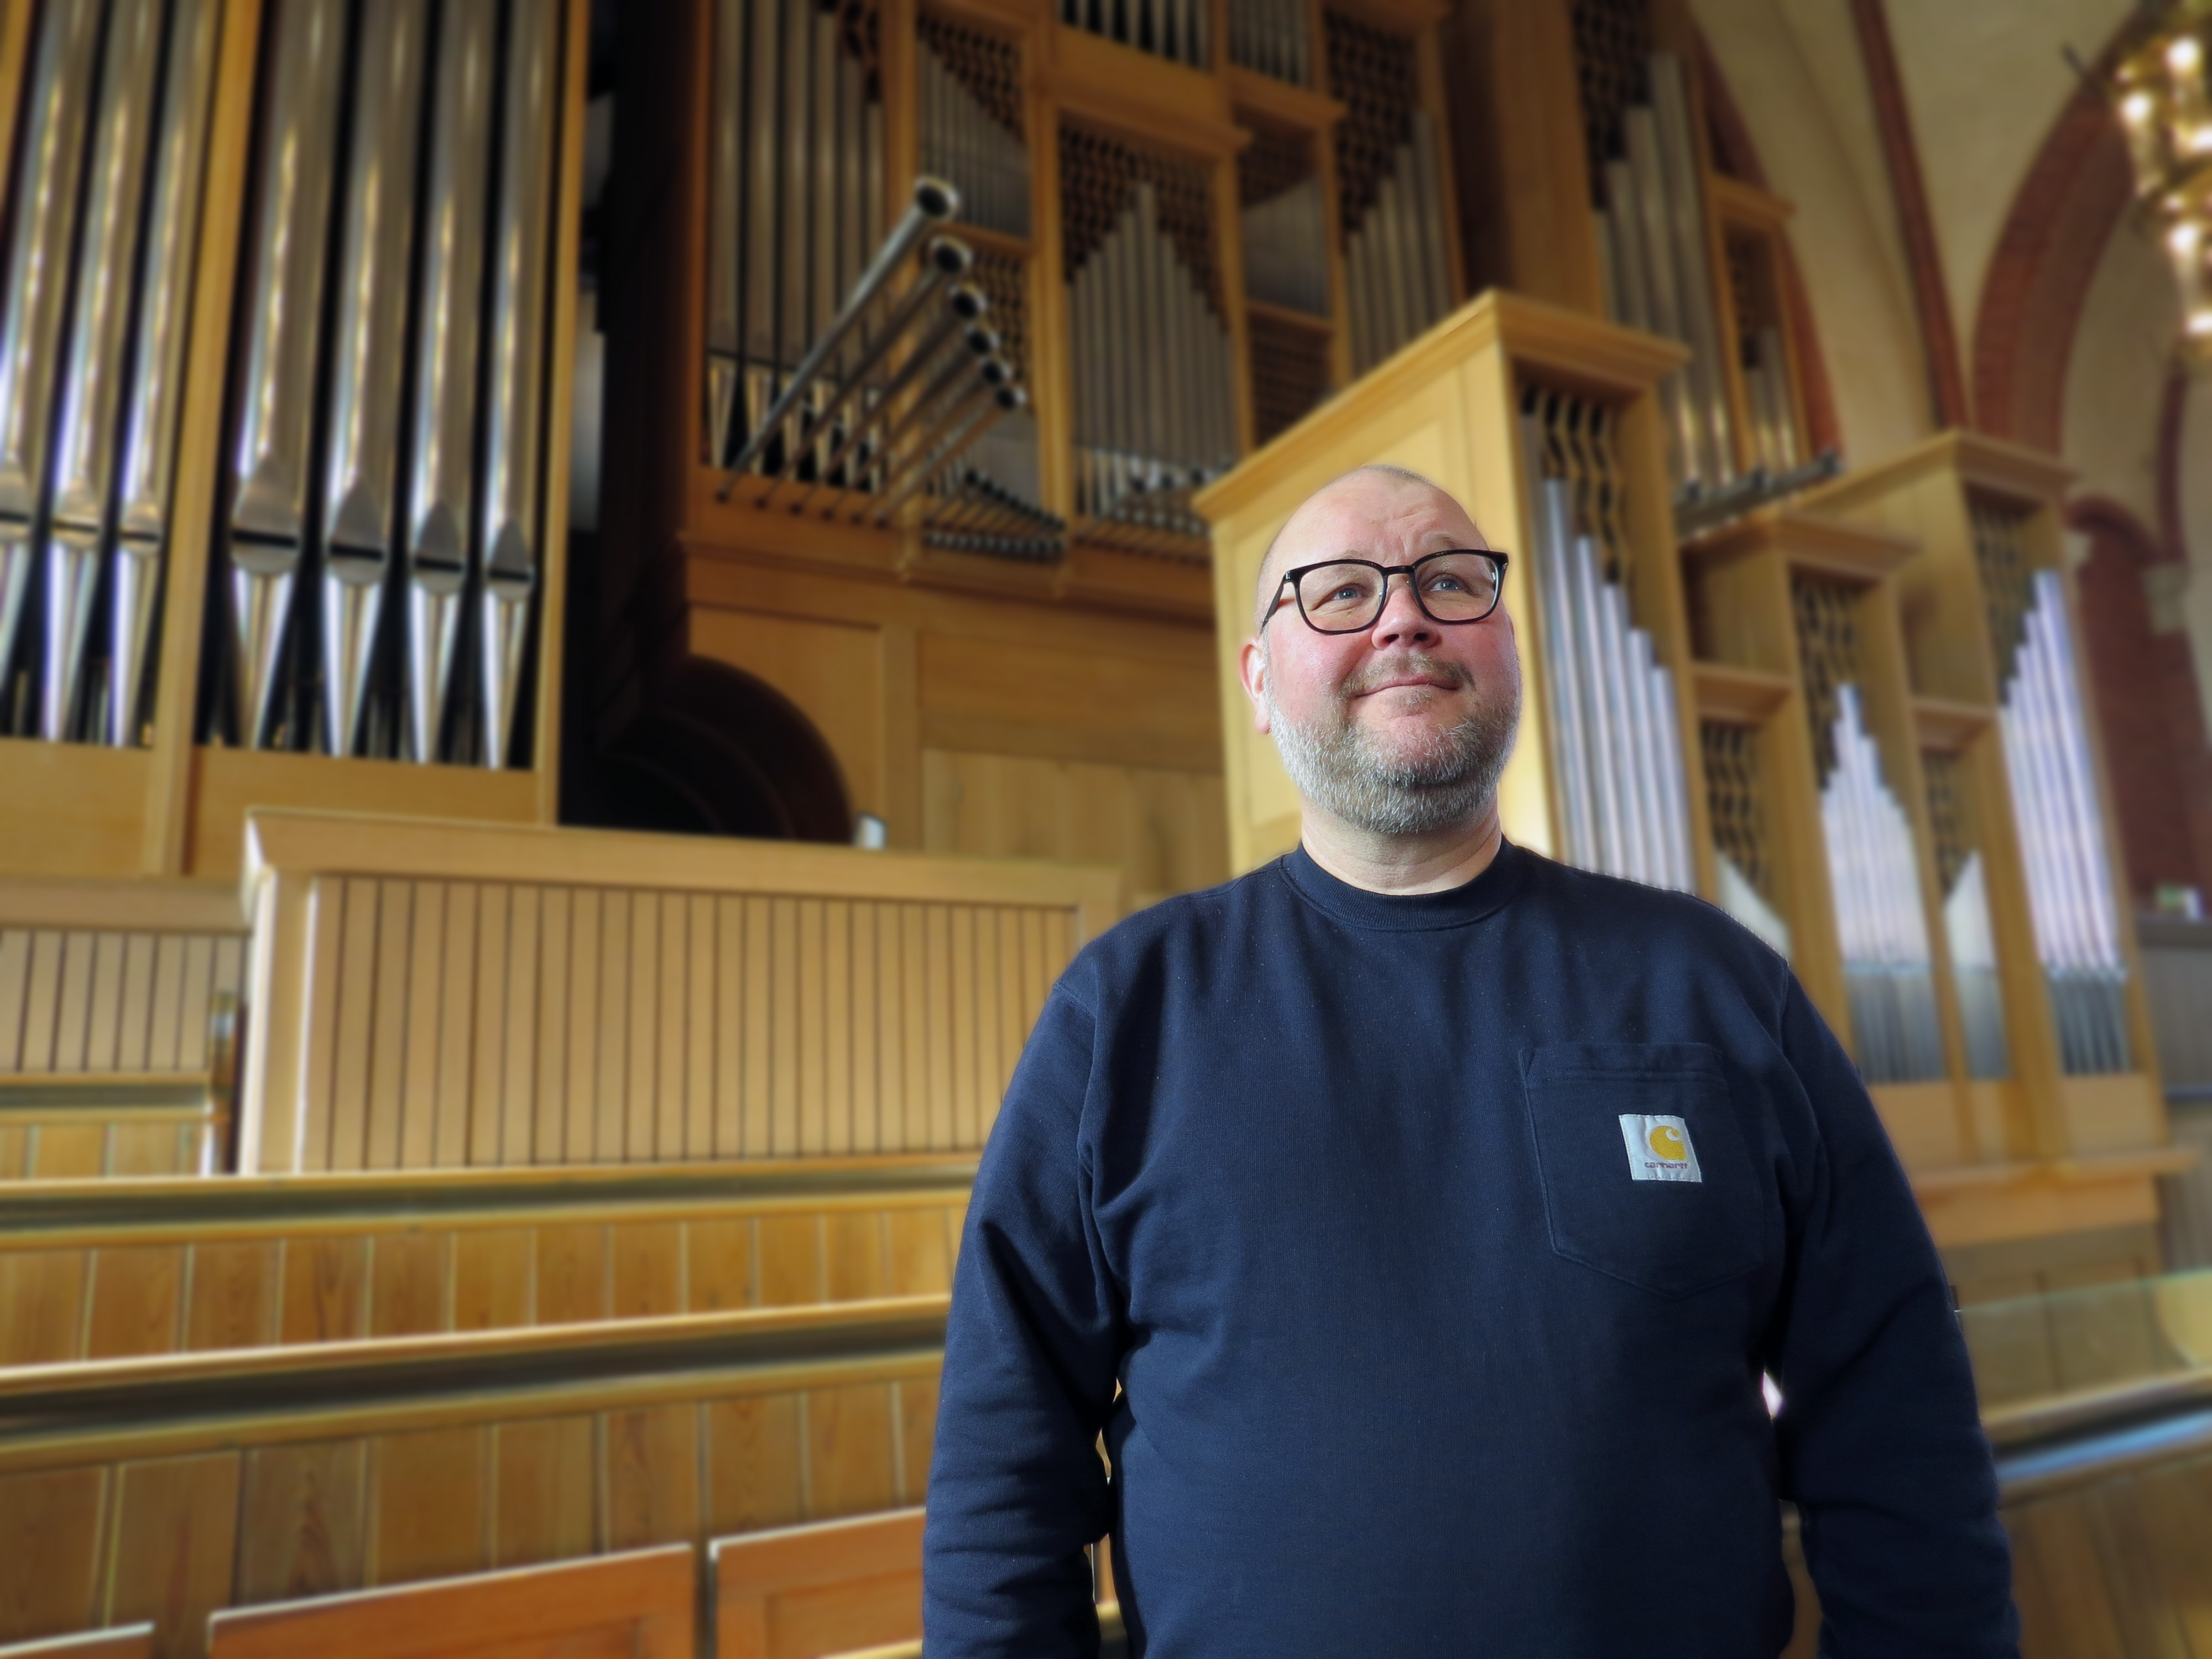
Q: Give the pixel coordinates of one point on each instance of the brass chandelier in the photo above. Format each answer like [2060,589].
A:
[2158,80]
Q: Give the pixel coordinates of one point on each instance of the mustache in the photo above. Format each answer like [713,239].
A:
[1410,662]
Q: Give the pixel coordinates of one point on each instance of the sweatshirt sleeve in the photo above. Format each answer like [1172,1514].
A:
[1017,1488]
[1880,1434]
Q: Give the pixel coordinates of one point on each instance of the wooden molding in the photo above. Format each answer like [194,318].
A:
[1807,541]
[1948,726]
[1143,100]
[1280,102]
[1738,697]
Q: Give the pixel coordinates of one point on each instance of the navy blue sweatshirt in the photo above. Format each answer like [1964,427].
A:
[1437,1244]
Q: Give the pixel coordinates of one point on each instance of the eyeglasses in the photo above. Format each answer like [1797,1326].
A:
[1346,596]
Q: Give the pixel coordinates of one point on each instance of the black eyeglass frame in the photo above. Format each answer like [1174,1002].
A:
[1498,561]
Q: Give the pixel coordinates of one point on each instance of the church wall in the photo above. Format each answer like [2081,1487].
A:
[1984,79]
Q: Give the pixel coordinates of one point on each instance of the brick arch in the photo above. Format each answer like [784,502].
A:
[2146,701]
[2038,277]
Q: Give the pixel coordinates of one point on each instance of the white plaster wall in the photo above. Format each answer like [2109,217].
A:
[1794,69]
[2116,377]
[1983,81]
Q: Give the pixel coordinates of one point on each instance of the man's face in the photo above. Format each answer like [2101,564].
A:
[1404,726]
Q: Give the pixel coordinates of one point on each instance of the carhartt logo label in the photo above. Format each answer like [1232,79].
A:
[1659,1147]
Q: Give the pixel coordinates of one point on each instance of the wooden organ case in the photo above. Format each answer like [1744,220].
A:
[956,537]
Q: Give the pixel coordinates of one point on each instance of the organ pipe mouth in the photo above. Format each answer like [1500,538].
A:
[949,255]
[967,301]
[937,199]
[983,342]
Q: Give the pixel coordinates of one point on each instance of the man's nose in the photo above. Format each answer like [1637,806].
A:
[1403,622]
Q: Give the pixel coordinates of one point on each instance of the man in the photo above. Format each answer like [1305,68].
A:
[1437,1209]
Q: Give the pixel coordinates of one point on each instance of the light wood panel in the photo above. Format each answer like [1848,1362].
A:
[165,1489]
[250,1263]
[633,1606]
[429,995]
[76,999]
[1163,828]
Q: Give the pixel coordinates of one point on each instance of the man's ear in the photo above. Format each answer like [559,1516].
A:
[1252,669]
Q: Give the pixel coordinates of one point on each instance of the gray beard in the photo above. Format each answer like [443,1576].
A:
[1447,780]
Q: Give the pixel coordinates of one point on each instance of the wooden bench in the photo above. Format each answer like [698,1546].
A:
[832,1587]
[125,1642]
[168,1488]
[93,1125]
[1112,1640]
[106,1269]
[799,1592]
[636,1606]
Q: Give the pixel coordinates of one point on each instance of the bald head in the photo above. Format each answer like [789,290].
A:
[1344,515]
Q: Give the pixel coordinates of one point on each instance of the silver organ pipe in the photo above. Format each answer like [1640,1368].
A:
[384,532]
[1397,267]
[1616,741]
[268,524]
[974,134]
[2055,800]
[1286,247]
[50,161]
[441,494]
[1173,29]
[1274,37]
[1875,880]
[515,415]
[148,465]
[1652,227]
[1150,361]
[83,466]
[360,506]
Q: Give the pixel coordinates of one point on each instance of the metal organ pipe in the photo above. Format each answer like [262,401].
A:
[83,466]
[378,220]
[268,518]
[442,494]
[50,160]
[1616,743]
[148,465]
[521,250]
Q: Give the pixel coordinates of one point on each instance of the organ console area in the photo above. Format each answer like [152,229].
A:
[519,903]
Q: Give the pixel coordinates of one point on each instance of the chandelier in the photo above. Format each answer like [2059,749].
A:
[2158,81]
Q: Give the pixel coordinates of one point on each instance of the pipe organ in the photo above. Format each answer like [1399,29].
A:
[2054,797]
[319,529]
[91,343]
[1872,862]
[1397,268]
[1617,743]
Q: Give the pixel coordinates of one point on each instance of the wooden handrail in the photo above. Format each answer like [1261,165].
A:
[140,1211]
[175,1403]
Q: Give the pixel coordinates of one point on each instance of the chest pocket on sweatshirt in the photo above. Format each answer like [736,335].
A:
[1695,1216]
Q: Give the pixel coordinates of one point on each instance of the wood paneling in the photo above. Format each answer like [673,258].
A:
[222,1273]
[754,999]
[1164,828]
[173,1498]
[103,1000]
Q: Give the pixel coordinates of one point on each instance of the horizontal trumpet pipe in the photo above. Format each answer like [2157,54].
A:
[1002,401]
[934,201]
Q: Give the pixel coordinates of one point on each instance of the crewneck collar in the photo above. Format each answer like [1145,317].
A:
[1455,907]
